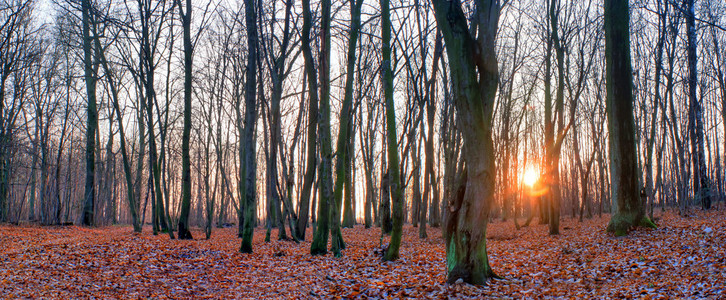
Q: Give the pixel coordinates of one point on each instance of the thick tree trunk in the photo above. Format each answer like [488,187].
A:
[474,76]
[628,210]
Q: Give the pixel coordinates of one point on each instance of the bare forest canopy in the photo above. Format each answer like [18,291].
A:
[298,114]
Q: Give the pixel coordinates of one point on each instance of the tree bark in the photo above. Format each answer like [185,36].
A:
[343,147]
[393,163]
[326,214]
[312,134]
[628,210]
[92,116]
[247,154]
[130,195]
[474,75]
[186,192]
[695,115]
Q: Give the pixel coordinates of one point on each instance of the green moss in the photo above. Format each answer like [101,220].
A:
[647,223]
[319,245]
[620,224]
[451,256]
[474,270]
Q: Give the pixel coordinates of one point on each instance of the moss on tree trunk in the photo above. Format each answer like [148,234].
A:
[474,76]
[627,207]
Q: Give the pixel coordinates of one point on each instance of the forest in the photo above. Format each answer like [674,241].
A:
[362,149]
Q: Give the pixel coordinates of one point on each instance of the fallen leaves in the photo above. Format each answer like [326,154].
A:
[684,258]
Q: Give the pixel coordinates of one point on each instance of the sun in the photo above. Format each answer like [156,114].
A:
[531,175]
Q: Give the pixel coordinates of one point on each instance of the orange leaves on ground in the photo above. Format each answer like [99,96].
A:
[684,258]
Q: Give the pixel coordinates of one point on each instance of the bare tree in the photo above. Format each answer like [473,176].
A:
[628,210]
[91,115]
[247,142]
[311,163]
[474,75]
[320,239]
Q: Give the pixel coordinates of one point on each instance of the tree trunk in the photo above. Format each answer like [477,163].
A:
[344,145]
[312,135]
[130,195]
[385,204]
[247,147]
[695,116]
[327,205]
[416,198]
[367,140]
[628,210]
[92,116]
[554,135]
[393,163]
[31,197]
[650,191]
[474,76]
[186,192]
[431,187]
[349,219]
[140,169]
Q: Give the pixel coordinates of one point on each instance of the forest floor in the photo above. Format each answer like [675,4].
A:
[683,258]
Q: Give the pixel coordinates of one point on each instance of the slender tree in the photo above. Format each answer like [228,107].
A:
[186,18]
[128,175]
[431,187]
[247,147]
[695,114]
[312,128]
[325,212]
[278,72]
[91,115]
[343,153]
[14,39]
[555,129]
[347,116]
[394,177]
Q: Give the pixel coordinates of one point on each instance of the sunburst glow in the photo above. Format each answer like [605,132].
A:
[531,176]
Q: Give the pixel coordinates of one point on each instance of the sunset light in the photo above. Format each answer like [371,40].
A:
[531,175]
[322,149]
